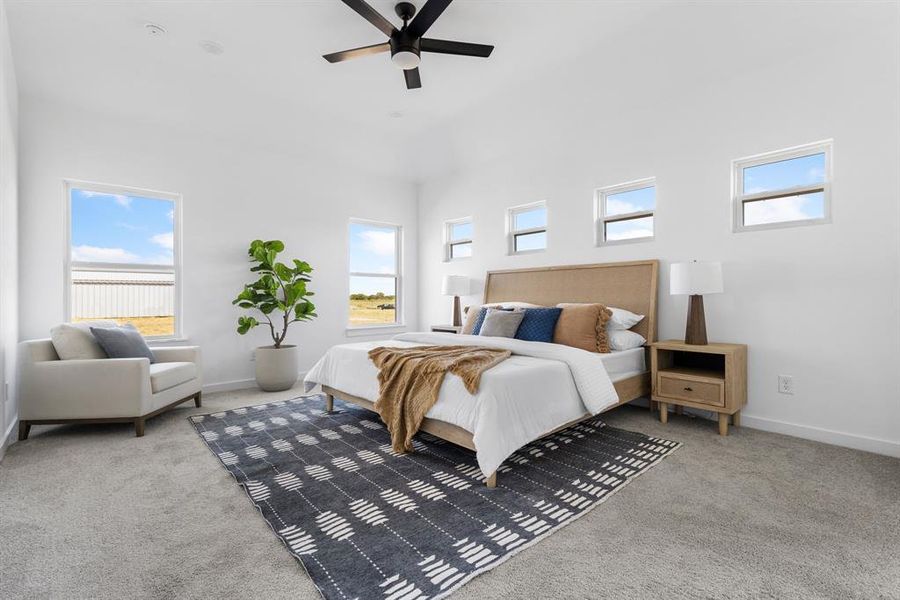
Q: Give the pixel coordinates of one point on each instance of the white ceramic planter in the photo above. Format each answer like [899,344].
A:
[277,368]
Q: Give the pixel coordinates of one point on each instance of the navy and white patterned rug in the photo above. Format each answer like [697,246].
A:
[368,523]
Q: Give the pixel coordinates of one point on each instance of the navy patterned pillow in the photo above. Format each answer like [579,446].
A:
[538,324]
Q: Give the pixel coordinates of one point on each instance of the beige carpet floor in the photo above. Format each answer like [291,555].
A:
[93,512]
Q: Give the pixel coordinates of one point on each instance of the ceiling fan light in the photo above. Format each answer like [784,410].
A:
[405,60]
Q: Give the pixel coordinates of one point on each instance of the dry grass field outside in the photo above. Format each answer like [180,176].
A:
[148,326]
[366,312]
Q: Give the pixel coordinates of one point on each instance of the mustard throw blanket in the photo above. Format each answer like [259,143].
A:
[409,380]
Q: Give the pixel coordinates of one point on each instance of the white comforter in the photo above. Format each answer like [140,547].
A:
[539,388]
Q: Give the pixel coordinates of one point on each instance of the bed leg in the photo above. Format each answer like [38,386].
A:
[491,481]
[329,403]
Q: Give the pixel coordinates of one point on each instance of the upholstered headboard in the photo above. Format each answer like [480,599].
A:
[628,285]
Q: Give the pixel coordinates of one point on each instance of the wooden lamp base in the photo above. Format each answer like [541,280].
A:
[695,330]
[457,314]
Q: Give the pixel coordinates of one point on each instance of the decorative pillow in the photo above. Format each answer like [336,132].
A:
[622,339]
[475,314]
[538,324]
[583,326]
[74,341]
[123,342]
[482,313]
[622,319]
[500,322]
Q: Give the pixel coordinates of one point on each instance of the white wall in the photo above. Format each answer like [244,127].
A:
[232,194]
[8,230]
[678,98]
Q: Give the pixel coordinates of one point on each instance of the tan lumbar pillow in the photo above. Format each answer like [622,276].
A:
[583,326]
[74,341]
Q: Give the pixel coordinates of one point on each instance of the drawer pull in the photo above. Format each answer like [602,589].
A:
[687,389]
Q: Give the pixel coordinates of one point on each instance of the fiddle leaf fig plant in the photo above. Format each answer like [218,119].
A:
[280,291]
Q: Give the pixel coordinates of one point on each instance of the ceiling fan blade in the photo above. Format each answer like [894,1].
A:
[413,81]
[461,48]
[372,16]
[336,57]
[428,14]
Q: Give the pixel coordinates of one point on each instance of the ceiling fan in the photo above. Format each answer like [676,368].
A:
[407,42]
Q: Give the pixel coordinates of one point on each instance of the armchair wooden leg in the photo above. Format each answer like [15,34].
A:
[24,430]
[139,427]
[329,403]
[491,481]
[197,399]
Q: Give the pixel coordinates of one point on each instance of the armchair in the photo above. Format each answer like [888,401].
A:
[109,390]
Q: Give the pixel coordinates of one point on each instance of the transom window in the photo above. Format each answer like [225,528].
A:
[528,228]
[375,289]
[123,257]
[784,188]
[458,235]
[625,212]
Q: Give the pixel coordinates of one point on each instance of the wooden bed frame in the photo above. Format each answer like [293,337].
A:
[629,285]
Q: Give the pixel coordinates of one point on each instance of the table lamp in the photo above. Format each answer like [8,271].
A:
[695,279]
[456,286]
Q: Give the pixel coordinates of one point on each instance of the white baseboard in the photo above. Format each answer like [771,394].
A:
[828,436]
[237,384]
[229,386]
[8,436]
[807,432]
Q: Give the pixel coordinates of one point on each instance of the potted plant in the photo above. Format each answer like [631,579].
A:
[280,295]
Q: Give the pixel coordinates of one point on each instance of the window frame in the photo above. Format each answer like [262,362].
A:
[399,320]
[601,218]
[739,199]
[177,257]
[449,242]
[512,232]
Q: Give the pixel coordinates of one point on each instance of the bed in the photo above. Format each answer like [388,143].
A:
[511,408]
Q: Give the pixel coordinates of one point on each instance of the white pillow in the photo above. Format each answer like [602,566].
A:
[74,341]
[622,319]
[622,339]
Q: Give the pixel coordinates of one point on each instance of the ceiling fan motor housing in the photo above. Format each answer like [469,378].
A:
[403,42]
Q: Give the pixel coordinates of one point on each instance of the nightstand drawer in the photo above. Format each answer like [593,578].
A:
[693,390]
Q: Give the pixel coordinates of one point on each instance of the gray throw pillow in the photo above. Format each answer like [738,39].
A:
[123,342]
[501,323]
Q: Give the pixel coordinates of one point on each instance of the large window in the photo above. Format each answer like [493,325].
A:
[375,289]
[123,257]
[458,239]
[625,212]
[783,189]
[528,228]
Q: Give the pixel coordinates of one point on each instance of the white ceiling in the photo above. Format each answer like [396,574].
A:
[272,83]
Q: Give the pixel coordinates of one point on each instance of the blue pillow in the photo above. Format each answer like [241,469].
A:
[479,320]
[538,324]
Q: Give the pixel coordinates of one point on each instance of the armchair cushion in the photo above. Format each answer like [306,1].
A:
[74,341]
[165,375]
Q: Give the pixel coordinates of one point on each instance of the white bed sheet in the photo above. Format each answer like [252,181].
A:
[535,394]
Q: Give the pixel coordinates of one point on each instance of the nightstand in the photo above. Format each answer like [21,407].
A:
[446,328]
[709,377]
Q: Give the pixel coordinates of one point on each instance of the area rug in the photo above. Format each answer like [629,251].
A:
[367,522]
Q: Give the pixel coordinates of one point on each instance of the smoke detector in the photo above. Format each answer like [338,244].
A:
[154,30]
[211,47]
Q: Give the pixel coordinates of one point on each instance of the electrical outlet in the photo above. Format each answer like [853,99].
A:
[785,384]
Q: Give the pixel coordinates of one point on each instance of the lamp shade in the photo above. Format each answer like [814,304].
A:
[696,278]
[455,285]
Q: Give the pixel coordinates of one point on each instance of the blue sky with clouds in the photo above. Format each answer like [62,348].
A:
[372,250]
[118,228]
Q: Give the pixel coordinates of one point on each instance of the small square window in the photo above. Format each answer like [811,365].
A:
[625,212]
[528,228]
[458,238]
[783,189]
